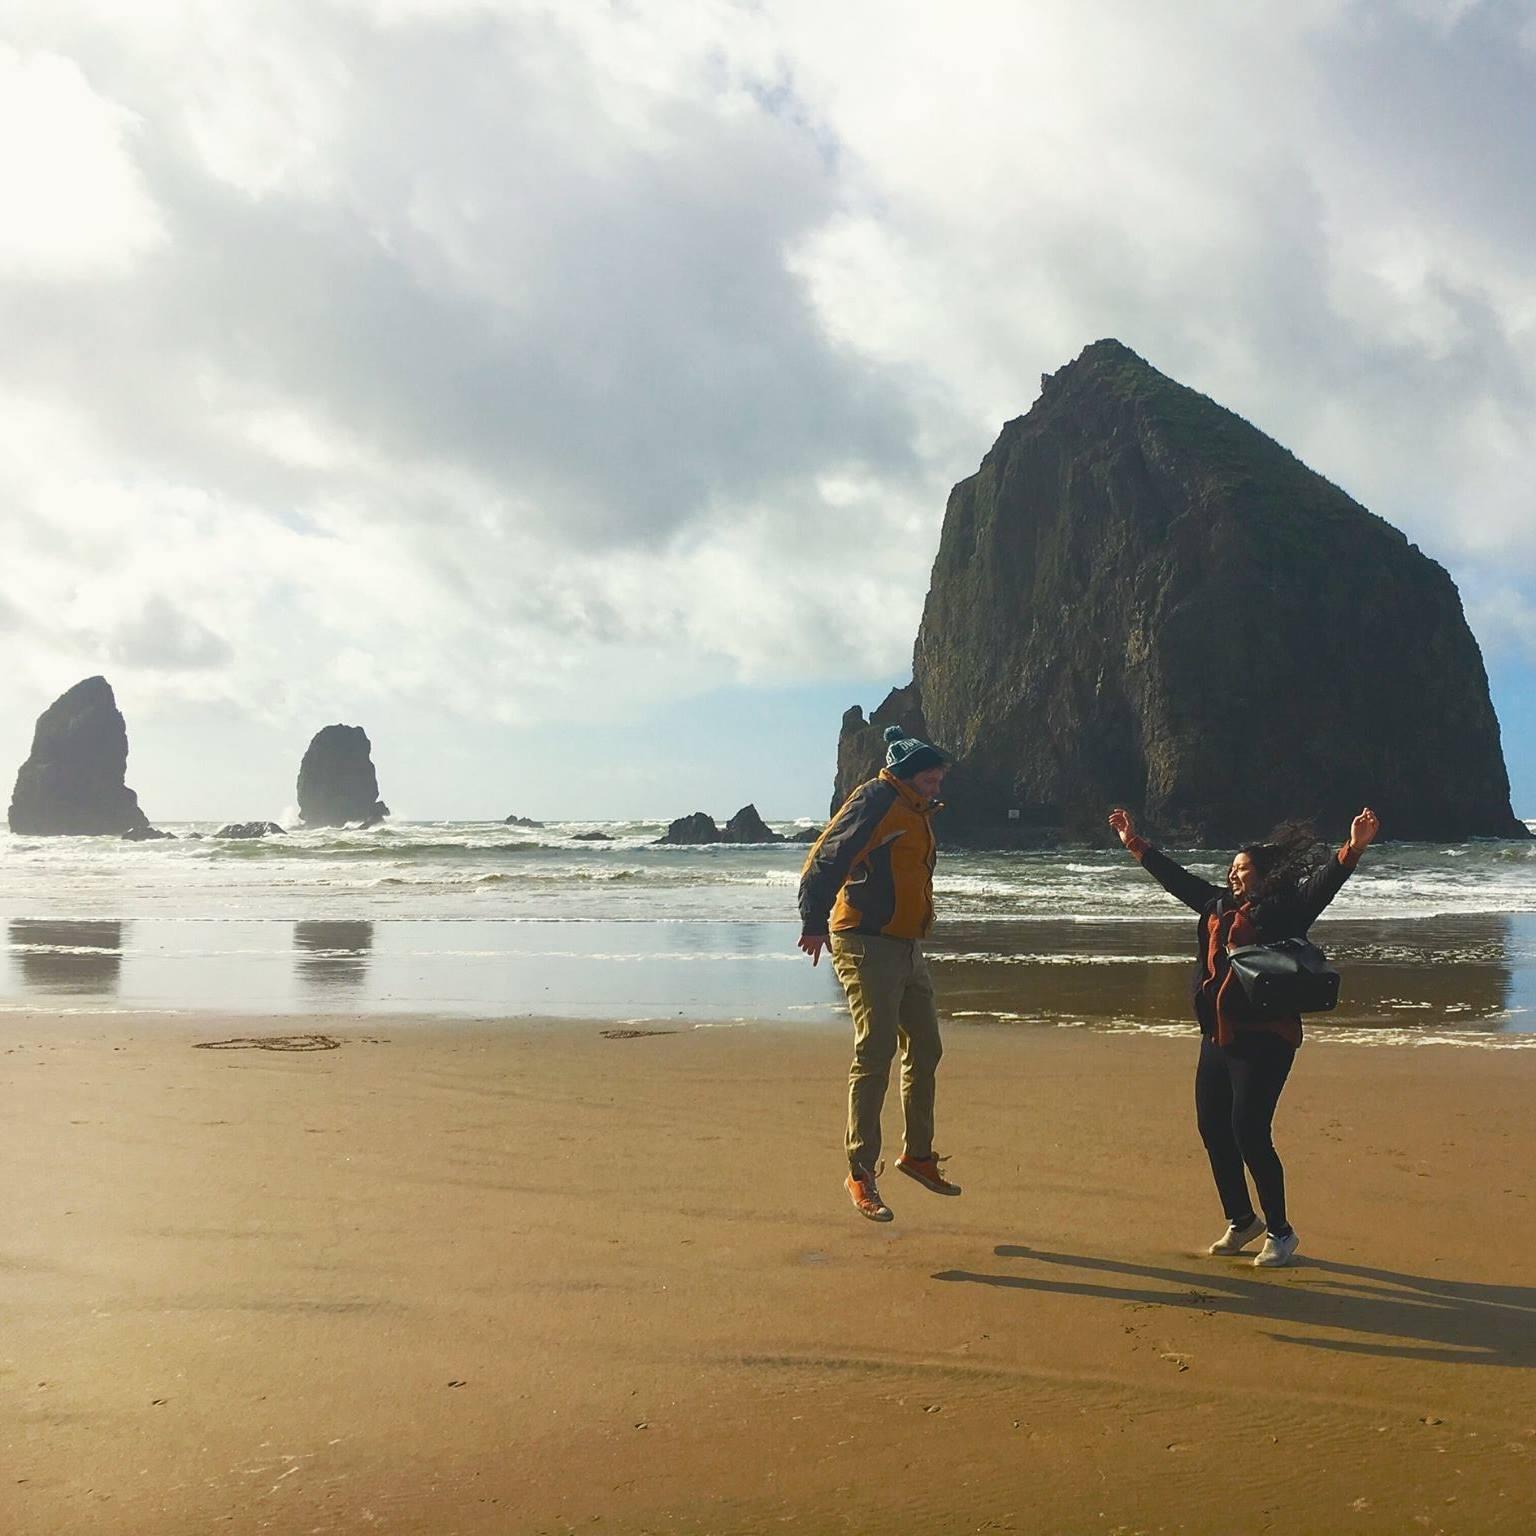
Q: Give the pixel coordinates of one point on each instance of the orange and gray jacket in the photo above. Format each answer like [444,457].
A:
[871,871]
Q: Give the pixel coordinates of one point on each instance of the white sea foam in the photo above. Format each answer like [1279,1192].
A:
[1329,1034]
[1080,957]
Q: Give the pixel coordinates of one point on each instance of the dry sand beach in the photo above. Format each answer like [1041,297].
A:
[480,1277]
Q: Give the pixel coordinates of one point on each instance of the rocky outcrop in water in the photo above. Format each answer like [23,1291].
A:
[147,834]
[337,781]
[72,781]
[521,821]
[700,827]
[1141,599]
[251,829]
[746,826]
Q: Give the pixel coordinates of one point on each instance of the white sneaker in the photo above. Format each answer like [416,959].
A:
[1277,1251]
[1236,1238]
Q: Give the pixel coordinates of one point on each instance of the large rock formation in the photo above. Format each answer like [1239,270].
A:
[337,782]
[72,783]
[1140,599]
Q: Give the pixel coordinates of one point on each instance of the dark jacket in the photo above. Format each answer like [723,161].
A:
[871,871]
[1221,1005]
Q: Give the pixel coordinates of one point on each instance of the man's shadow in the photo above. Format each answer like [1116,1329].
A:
[1414,1317]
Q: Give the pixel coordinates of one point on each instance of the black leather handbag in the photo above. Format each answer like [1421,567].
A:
[1287,977]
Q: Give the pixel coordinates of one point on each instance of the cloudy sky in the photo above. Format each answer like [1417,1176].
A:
[514,379]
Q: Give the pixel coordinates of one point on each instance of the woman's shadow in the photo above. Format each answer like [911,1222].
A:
[1410,1317]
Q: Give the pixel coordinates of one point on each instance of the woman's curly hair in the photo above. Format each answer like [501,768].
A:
[1286,858]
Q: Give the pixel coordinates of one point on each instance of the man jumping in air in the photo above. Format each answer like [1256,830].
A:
[866,893]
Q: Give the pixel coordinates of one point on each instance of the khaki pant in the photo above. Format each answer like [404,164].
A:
[890,994]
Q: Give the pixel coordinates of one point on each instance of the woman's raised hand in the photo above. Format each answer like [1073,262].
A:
[1124,827]
[1363,829]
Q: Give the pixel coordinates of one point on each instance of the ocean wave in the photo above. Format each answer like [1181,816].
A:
[1081,957]
[430,870]
[790,956]
[270,848]
[442,881]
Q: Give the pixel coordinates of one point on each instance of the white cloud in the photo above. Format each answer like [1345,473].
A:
[75,204]
[1505,618]
[497,356]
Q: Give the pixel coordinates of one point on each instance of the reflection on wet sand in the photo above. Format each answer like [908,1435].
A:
[70,957]
[1469,975]
[1464,973]
[1450,972]
[333,956]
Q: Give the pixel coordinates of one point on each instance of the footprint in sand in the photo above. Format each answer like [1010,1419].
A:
[270,1043]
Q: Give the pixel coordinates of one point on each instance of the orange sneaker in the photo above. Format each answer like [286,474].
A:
[927,1173]
[866,1197]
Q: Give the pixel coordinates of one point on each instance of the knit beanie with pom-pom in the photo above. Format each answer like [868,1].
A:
[906,755]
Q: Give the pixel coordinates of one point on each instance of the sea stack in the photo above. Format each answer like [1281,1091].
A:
[1141,599]
[746,826]
[72,783]
[696,828]
[337,782]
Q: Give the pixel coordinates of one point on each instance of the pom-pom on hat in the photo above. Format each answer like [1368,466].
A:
[906,755]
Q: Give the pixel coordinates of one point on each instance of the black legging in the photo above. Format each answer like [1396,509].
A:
[1236,1089]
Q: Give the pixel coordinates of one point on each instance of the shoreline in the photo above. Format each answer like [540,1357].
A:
[1359,1037]
[474,1276]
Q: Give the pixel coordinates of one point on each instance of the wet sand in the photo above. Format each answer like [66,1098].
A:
[468,1277]
[1474,973]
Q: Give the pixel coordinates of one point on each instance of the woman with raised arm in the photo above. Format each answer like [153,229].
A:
[1274,891]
